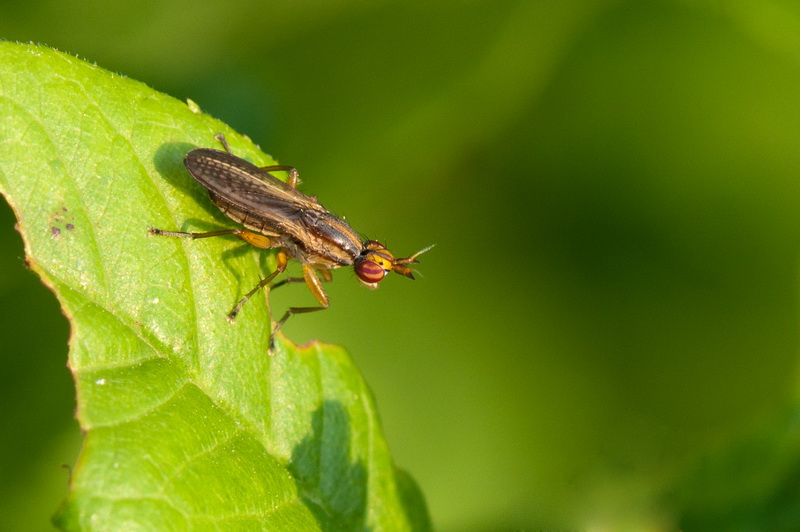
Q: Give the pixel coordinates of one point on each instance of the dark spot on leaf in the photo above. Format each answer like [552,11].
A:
[70,227]
[55,231]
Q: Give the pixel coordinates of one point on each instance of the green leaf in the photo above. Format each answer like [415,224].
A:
[188,422]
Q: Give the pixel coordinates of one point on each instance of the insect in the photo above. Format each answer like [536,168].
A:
[276,215]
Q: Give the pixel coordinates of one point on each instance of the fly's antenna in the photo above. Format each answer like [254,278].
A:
[400,265]
[413,258]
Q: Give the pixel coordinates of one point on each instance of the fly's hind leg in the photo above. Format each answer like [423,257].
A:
[315,285]
[254,239]
[193,236]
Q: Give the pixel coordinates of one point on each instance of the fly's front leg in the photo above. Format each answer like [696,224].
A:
[315,285]
[294,176]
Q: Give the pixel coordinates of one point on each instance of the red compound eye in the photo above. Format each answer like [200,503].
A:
[370,272]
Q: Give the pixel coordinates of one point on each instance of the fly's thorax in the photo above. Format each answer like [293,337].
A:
[301,254]
[318,237]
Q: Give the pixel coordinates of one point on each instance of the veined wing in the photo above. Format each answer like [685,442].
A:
[253,196]
[235,179]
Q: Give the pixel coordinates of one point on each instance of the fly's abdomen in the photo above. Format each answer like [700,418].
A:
[238,214]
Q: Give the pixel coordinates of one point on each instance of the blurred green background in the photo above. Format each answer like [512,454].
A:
[606,334]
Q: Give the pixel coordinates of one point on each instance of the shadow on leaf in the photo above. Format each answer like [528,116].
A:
[333,487]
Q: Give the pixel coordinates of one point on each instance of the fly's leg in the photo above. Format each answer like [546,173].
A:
[315,285]
[222,140]
[254,239]
[161,232]
[325,273]
[294,176]
[283,260]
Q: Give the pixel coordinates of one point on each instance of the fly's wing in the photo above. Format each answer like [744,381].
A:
[228,175]
[259,201]
[254,191]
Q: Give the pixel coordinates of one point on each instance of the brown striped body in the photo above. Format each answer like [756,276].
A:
[266,205]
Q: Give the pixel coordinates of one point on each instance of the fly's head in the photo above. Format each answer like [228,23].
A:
[375,261]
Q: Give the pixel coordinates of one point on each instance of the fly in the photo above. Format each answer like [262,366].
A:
[276,215]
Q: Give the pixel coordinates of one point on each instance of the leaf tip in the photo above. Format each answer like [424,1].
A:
[193,107]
